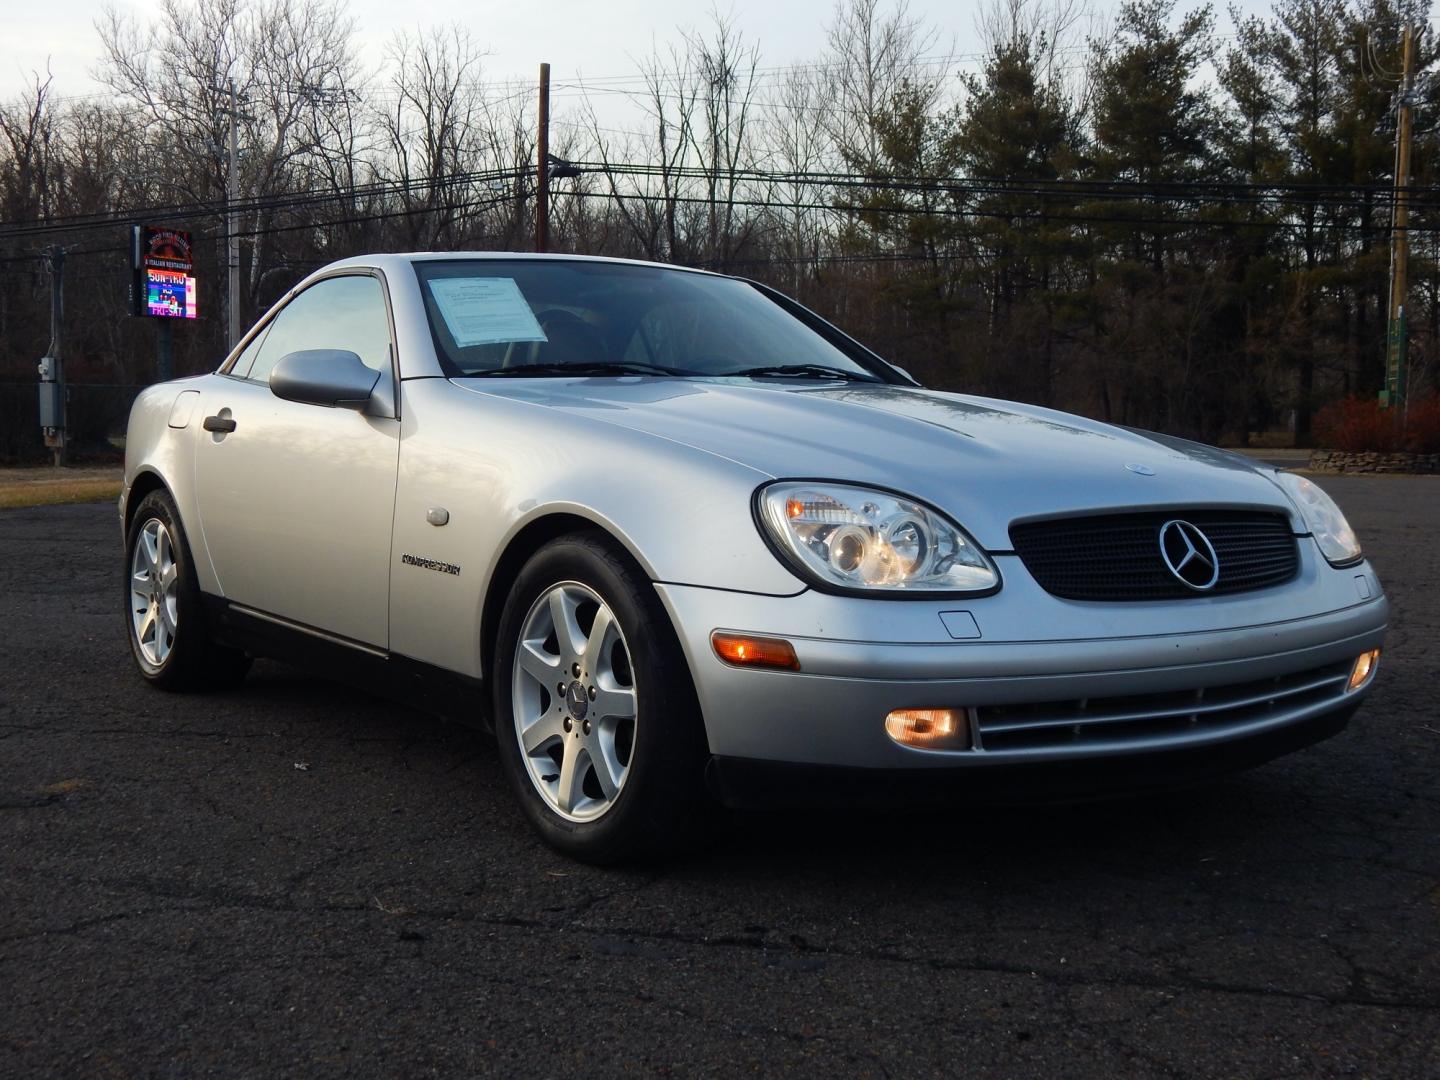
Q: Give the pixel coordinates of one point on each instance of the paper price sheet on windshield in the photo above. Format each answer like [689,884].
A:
[485,310]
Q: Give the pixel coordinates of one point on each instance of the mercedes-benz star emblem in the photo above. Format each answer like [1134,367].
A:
[1138,469]
[1189,555]
[576,700]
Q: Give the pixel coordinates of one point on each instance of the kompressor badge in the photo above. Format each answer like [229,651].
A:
[429,564]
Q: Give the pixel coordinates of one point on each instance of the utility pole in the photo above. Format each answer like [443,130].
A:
[164,351]
[232,222]
[232,215]
[52,374]
[542,165]
[1397,337]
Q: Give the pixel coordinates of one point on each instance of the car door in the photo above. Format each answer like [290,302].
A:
[296,502]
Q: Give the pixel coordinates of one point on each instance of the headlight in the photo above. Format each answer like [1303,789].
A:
[856,538]
[1323,518]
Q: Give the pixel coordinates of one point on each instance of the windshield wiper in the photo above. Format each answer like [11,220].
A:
[800,371]
[522,371]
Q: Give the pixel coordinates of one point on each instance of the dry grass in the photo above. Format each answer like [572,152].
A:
[51,487]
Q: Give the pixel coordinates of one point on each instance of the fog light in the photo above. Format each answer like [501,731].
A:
[1364,670]
[930,729]
[748,651]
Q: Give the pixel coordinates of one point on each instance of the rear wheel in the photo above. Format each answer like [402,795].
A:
[599,730]
[165,619]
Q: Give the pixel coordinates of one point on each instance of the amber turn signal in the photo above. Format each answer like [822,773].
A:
[1364,670]
[930,729]
[746,651]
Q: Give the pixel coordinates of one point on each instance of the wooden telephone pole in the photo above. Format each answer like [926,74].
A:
[542,165]
[1397,338]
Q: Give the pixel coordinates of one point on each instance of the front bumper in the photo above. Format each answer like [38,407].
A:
[745,783]
[861,659]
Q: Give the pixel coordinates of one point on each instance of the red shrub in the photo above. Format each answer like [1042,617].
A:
[1422,426]
[1356,424]
[1360,424]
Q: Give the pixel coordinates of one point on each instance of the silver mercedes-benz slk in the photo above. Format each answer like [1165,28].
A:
[680,539]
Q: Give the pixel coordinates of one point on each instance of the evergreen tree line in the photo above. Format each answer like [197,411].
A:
[1160,218]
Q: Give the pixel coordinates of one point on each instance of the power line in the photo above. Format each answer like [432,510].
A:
[353,219]
[972,192]
[273,202]
[1176,223]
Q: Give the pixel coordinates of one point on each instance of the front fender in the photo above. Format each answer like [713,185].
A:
[497,465]
[160,443]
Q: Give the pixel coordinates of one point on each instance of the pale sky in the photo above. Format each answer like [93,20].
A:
[595,38]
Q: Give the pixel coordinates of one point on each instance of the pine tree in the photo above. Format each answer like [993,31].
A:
[1156,125]
[1019,125]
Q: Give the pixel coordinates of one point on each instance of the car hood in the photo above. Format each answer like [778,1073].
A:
[983,461]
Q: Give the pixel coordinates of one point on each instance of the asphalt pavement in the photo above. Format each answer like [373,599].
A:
[295,879]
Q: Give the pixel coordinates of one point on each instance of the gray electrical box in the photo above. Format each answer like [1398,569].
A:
[52,405]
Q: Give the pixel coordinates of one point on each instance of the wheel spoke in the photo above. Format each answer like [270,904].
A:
[542,732]
[166,619]
[148,546]
[602,632]
[168,576]
[617,703]
[607,770]
[568,637]
[541,667]
[149,627]
[572,776]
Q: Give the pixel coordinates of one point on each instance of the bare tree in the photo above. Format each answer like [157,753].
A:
[798,143]
[281,56]
[432,128]
[872,54]
[724,67]
[698,99]
[651,204]
[27,126]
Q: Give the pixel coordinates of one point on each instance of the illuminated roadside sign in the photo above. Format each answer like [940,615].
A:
[164,273]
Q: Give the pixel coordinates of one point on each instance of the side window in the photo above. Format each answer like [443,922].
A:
[244,361]
[337,313]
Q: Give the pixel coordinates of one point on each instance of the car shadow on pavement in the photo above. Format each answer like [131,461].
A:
[1258,814]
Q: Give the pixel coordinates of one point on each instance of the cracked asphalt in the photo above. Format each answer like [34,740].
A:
[297,879]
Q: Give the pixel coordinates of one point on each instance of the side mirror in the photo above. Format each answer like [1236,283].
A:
[332,377]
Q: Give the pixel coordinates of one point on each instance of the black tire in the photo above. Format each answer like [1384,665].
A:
[661,805]
[194,661]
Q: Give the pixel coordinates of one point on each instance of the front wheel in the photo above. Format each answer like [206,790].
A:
[169,639]
[598,725]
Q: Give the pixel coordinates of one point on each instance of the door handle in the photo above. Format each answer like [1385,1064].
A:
[218,423]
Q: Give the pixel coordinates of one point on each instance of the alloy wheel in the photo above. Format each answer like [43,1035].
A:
[154,589]
[574,701]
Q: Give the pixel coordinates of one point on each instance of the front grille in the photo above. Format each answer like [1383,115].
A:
[1117,556]
[1159,718]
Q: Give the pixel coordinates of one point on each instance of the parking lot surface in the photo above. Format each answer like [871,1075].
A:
[298,879]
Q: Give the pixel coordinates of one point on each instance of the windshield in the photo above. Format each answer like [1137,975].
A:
[570,316]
